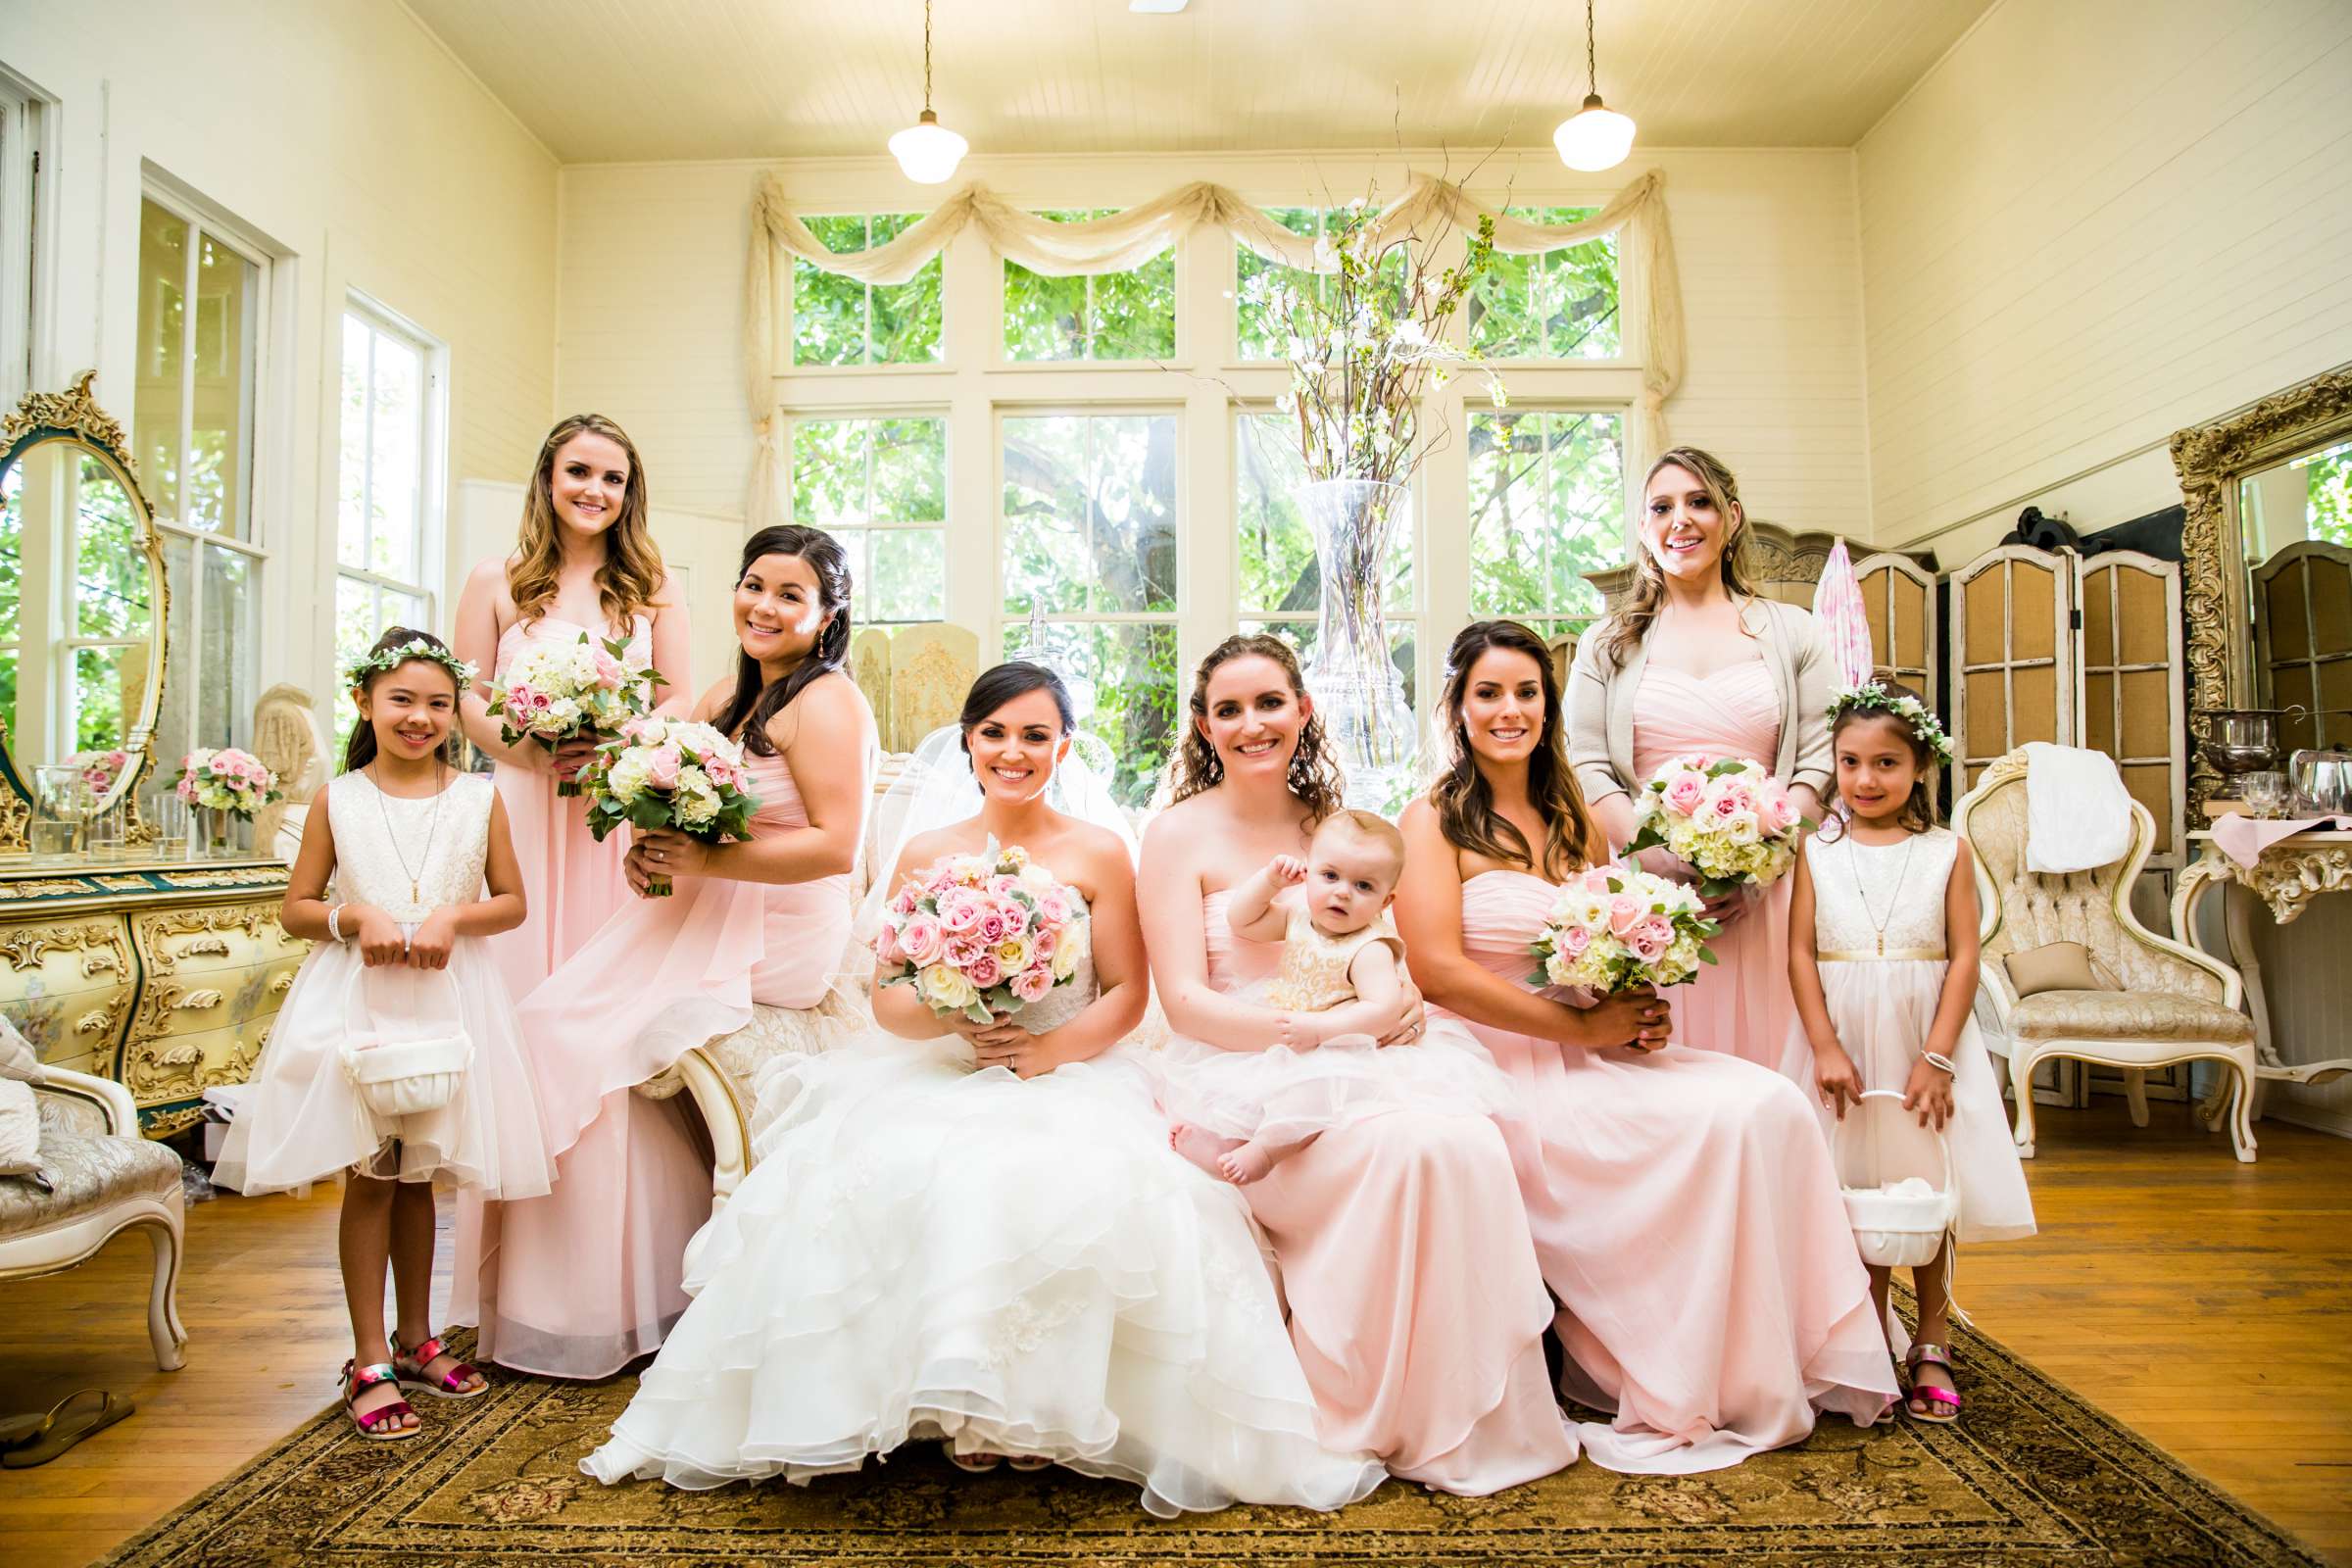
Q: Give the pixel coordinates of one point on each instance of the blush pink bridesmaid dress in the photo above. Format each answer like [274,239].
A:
[1415,1302]
[581,1281]
[1688,1218]
[1741,1003]
[570,883]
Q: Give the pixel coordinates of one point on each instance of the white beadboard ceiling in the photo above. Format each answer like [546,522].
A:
[612,80]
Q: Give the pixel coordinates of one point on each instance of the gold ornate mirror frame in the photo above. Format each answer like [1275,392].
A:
[73,416]
[2211,459]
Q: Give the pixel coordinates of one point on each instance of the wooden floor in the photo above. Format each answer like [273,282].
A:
[2202,1301]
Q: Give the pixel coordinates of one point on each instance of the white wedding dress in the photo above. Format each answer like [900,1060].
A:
[1020,1267]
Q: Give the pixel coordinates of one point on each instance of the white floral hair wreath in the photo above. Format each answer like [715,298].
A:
[1873,698]
[359,670]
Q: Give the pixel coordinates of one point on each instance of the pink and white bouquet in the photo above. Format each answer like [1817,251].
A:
[554,693]
[100,770]
[226,780]
[1614,928]
[1727,817]
[668,772]
[982,934]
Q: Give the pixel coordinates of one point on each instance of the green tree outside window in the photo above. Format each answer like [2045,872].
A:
[1101,316]
[839,320]
[880,486]
[1556,305]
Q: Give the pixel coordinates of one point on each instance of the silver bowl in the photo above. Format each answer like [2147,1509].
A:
[2241,739]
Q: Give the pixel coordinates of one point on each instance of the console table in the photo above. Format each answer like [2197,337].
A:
[2290,873]
[163,975]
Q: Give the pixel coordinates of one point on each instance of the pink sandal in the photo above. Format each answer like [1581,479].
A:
[1947,1401]
[377,1425]
[409,1366]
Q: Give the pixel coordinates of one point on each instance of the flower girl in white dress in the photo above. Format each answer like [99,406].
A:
[976,1233]
[395,1058]
[1883,958]
[1239,1114]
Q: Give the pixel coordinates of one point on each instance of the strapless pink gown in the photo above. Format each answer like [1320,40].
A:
[1741,1003]
[581,1281]
[1416,1307]
[1689,1220]
[570,883]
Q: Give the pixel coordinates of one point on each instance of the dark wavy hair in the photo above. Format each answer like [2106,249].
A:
[1001,684]
[1465,800]
[753,705]
[1917,814]
[360,749]
[1315,776]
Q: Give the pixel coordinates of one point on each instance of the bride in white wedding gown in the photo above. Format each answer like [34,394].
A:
[982,1237]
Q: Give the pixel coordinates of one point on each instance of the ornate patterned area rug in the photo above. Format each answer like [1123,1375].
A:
[2032,1477]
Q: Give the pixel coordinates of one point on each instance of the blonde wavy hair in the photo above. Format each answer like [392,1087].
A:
[632,573]
[1630,625]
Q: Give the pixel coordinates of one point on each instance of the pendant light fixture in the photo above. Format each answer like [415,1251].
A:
[1594,137]
[927,150]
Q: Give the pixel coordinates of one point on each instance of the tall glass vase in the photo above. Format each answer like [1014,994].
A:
[1356,689]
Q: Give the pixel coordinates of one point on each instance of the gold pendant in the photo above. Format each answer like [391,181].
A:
[1881,944]
[414,899]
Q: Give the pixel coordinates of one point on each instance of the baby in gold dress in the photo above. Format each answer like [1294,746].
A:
[1238,1113]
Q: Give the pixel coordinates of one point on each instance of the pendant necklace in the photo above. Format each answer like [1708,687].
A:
[431,826]
[1854,864]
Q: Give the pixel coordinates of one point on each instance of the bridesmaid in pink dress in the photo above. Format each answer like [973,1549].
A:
[581,1281]
[1416,1305]
[585,562]
[1684,1209]
[1695,663]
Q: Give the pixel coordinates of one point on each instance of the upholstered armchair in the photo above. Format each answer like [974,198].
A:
[2172,1003]
[101,1178]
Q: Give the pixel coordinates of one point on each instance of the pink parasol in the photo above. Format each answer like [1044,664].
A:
[1845,623]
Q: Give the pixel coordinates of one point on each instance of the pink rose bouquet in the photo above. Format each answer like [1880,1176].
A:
[226,780]
[1614,928]
[981,934]
[1728,817]
[100,770]
[554,693]
[668,772]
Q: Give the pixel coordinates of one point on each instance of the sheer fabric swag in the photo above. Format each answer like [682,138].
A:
[1127,239]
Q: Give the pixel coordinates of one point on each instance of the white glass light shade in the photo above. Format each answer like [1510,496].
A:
[929,151]
[1594,137]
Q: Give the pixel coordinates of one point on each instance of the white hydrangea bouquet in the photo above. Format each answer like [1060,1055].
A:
[1727,817]
[226,780]
[668,772]
[982,934]
[556,692]
[1614,928]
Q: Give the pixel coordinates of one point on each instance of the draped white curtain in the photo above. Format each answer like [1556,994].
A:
[1128,239]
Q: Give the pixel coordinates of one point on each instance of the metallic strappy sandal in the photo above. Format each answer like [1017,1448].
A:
[1945,1401]
[409,1365]
[378,1425]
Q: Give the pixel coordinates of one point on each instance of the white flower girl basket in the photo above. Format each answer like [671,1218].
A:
[1900,1218]
[404,1046]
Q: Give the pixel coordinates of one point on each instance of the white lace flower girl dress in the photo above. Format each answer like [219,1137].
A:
[1884,1004]
[302,1121]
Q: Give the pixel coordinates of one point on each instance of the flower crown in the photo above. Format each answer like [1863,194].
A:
[1873,698]
[359,670]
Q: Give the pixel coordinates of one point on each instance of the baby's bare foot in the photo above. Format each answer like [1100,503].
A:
[1245,1165]
[1202,1148]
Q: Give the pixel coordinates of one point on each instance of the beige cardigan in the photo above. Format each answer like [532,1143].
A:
[1601,702]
